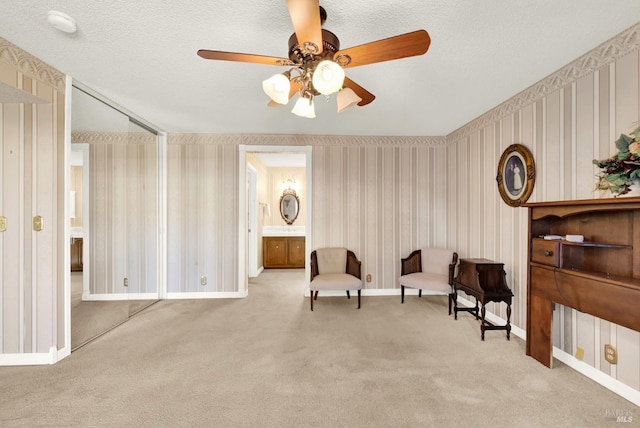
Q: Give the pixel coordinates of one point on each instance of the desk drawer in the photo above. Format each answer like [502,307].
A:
[545,252]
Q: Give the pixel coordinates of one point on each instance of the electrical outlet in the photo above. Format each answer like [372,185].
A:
[368,277]
[203,280]
[579,353]
[126,282]
[610,354]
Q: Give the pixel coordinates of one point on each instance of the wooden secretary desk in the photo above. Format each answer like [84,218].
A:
[599,276]
[485,280]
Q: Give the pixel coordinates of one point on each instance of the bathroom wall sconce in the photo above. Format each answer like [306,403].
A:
[290,184]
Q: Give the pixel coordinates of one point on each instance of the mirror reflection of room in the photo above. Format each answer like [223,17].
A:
[109,153]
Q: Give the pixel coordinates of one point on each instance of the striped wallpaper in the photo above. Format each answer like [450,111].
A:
[32,182]
[382,197]
[570,122]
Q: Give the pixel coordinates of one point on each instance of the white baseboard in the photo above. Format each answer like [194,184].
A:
[208,295]
[596,375]
[118,296]
[34,358]
[257,272]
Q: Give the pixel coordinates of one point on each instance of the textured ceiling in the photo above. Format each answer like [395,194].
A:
[142,55]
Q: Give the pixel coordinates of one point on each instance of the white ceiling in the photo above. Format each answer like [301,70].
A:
[142,55]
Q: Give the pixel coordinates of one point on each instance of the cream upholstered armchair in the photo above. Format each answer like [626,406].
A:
[334,269]
[430,269]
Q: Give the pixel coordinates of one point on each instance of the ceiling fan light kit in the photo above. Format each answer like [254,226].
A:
[277,88]
[304,108]
[316,58]
[328,77]
[347,98]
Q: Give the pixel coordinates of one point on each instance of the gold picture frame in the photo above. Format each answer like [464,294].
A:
[516,175]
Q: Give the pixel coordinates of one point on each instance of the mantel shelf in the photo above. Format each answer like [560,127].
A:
[596,244]
[600,277]
[618,280]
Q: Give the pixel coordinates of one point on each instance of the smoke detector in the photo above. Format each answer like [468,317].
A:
[61,21]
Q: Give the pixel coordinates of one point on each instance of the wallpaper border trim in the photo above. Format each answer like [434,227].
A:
[307,140]
[87,137]
[31,66]
[609,51]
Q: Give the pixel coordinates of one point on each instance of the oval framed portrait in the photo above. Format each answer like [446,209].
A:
[516,175]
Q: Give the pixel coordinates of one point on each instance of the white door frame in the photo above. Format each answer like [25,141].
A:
[243,283]
[252,218]
[86,219]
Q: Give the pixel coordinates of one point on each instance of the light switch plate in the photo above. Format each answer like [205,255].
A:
[38,223]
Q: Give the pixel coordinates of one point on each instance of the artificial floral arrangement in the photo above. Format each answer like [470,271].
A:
[622,170]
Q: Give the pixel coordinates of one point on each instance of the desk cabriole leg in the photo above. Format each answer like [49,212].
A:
[508,321]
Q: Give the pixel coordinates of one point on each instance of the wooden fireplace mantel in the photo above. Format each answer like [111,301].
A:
[600,276]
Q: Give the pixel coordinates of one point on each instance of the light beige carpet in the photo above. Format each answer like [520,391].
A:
[90,319]
[268,361]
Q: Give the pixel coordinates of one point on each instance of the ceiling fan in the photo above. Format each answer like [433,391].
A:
[317,63]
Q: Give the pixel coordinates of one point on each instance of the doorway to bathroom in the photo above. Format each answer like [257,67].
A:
[274,175]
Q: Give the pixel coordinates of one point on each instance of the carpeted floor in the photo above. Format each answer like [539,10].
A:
[268,361]
[90,319]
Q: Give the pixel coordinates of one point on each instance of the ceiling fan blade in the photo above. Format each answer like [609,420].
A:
[402,46]
[366,96]
[295,87]
[305,16]
[242,57]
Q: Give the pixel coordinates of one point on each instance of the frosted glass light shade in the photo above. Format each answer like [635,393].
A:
[328,77]
[304,108]
[277,88]
[347,98]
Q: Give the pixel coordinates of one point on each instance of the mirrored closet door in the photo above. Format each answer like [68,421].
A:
[113,215]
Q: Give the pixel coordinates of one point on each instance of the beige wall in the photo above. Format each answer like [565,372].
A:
[570,118]
[31,183]
[202,215]
[380,200]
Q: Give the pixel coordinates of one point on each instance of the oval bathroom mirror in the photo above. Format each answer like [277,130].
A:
[289,206]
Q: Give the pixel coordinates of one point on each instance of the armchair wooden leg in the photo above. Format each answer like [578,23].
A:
[316,296]
[311,299]
[420,293]
[402,294]
[359,300]
[348,295]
